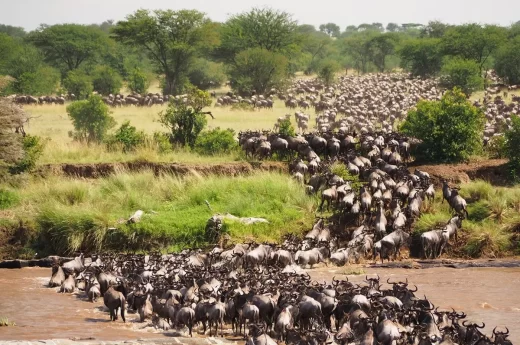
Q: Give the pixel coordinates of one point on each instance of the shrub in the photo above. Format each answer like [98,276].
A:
[512,147]
[450,129]
[78,83]
[106,81]
[327,71]
[286,128]
[138,81]
[496,147]
[7,198]
[33,148]
[91,119]
[162,142]
[127,137]
[341,170]
[461,73]
[186,120]
[216,141]
[205,74]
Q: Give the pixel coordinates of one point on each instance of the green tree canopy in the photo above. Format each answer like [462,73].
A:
[360,49]
[473,41]
[422,57]
[13,31]
[205,74]
[91,119]
[258,70]
[330,29]
[461,73]
[327,71]
[381,47]
[393,27]
[138,81]
[450,129]
[172,40]
[68,46]
[263,28]
[105,80]
[507,61]
[185,118]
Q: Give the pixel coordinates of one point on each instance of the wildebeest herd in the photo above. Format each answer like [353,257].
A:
[248,288]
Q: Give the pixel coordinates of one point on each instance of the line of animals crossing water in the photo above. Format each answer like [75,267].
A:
[246,291]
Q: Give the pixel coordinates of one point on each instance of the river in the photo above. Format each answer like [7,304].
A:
[491,295]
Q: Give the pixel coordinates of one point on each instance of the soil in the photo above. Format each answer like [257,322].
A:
[492,170]
[104,169]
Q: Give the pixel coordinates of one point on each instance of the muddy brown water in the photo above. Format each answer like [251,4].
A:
[491,295]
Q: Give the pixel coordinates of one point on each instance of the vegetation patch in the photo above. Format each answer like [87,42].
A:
[90,215]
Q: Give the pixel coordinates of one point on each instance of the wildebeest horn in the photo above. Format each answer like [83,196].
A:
[413,290]
[494,329]
[464,323]
[388,281]
[483,325]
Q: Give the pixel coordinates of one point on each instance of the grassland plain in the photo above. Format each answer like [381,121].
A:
[64,215]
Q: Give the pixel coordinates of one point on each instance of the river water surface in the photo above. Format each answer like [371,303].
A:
[491,295]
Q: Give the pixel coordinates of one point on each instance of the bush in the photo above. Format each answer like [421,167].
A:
[461,73]
[91,119]
[422,57]
[33,148]
[512,147]
[186,120]
[286,128]
[258,70]
[341,170]
[126,137]
[450,129]
[138,81]
[106,81]
[327,71]
[216,141]
[496,147]
[43,81]
[162,142]
[78,84]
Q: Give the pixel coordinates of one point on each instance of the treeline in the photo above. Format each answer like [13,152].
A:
[255,51]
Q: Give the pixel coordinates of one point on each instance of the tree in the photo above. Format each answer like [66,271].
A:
[330,29]
[381,47]
[138,81]
[316,45]
[461,73]
[13,31]
[43,81]
[257,70]
[473,42]
[12,119]
[507,62]
[450,129]
[106,81]
[91,119]
[421,57]
[327,71]
[393,27]
[205,74]
[78,83]
[360,49]
[185,118]
[68,46]
[172,40]
[513,147]
[264,28]
[434,29]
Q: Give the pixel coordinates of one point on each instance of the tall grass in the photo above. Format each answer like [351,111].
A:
[492,223]
[89,215]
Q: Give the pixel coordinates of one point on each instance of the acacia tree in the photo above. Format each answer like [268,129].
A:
[421,57]
[360,49]
[68,46]
[172,40]
[264,28]
[507,62]
[381,47]
[185,118]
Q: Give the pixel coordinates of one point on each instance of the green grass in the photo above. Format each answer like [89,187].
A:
[76,214]
[490,228]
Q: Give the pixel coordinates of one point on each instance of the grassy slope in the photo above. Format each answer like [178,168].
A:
[493,224]
[73,214]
